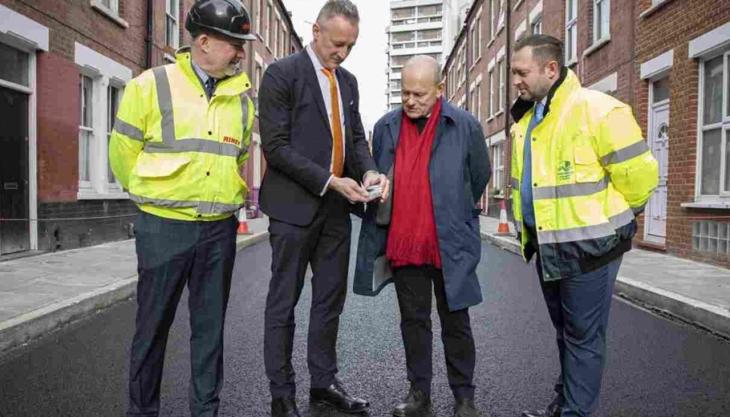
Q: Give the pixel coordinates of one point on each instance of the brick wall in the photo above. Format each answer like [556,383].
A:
[636,38]
[671,27]
[58,128]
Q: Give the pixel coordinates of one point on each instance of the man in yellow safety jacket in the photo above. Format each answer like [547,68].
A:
[180,137]
[581,173]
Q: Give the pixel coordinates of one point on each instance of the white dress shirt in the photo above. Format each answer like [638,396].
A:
[324,86]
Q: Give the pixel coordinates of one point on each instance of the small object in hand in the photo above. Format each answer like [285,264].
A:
[374,191]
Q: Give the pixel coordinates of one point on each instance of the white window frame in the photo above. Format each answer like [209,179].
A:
[497,151]
[599,36]
[113,6]
[103,71]
[502,68]
[269,23]
[492,89]
[501,14]
[536,26]
[534,19]
[493,19]
[478,89]
[85,159]
[476,36]
[276,26]
[284,40]
[113,184]
[723,125]
[571,26]
[111,11]
[172,18]
[496,143]
[261,6]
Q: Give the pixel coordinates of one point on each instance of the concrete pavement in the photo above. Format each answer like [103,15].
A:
[39,294]
[690,291]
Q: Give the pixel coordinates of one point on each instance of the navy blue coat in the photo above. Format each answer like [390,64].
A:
[459,172]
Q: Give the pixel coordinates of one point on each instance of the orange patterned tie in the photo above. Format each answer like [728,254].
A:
[338,162]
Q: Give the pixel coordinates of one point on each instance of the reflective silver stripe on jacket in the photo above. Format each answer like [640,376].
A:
[194,145]
[124,128]
[164,101]
[569,190]
[203,207]
[170,143]
[587,232]
[624,154]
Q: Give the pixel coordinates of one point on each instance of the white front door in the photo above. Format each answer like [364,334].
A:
[656,210]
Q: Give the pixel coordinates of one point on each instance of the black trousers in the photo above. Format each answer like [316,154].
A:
[171,254]
[325,246]
[413,287]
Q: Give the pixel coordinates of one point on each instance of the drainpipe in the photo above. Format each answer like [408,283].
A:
[507,116]
[148,37]
[466,64]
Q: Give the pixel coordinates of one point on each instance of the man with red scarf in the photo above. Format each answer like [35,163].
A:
[429,233]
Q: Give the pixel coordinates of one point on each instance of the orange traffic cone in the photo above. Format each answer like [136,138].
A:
[242,224]
[503,228]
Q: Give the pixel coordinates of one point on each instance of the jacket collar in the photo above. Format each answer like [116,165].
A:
[563,88]
[231,86]
[306,67]
[393,119]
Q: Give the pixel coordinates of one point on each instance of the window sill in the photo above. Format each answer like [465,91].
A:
[491,41]
[517,4]
[600,43]
[706,205]
[474,64]
[571,62]
[109,14]
[650,11]
[499,29]
[93,195]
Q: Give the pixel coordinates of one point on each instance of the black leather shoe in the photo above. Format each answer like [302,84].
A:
[464,407]
[335,396]
[553,410]
[284,407]
[416,404]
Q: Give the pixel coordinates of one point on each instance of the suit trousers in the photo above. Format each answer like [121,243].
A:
[324,245]
[579,307]
[171,254]
[413,287]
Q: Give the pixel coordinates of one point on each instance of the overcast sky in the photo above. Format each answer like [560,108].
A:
[367,60]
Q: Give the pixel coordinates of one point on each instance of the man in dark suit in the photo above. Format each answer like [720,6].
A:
[317,155]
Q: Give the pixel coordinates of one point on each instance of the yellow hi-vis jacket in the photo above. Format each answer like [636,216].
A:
[591,172]
[178,154]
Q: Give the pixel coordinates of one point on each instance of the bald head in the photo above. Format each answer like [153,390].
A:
[421,86]
[422,67]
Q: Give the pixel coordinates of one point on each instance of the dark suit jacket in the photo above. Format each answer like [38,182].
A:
[297,140]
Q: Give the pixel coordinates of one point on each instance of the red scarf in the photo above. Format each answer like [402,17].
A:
[412,238]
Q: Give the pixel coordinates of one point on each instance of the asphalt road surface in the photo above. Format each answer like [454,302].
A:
[655,367]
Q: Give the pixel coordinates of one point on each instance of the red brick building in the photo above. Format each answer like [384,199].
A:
[668,59]
[63,67]
[683,105]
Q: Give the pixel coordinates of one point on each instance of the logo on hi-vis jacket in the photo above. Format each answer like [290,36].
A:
[565,171]
[228,139]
